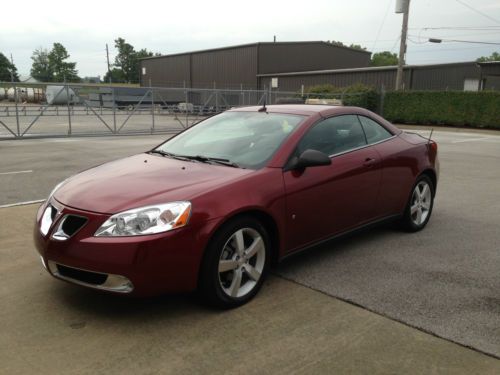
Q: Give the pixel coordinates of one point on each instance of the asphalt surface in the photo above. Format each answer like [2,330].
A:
[55,121]
[443,280]
[30,168]
[50,327]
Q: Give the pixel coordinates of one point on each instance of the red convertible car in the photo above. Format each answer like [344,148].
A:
[213,207]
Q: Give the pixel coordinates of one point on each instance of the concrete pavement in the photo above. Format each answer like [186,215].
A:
[49,326]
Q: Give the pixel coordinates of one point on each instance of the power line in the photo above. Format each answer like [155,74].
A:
[477,11]
[481,28]
[382,24]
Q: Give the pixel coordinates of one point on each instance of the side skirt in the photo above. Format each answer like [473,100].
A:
[337,236]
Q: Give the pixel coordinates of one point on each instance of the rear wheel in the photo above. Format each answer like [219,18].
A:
[235,264]
[419,207]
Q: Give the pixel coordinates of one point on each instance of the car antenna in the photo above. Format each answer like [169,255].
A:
[430,136]
[263,108]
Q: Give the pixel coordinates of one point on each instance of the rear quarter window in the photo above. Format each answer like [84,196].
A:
[373,130]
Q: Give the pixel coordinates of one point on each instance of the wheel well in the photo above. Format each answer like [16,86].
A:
[432,175]
[269,223]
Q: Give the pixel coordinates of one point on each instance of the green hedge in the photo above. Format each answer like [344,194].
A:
[357,95]
[458,108]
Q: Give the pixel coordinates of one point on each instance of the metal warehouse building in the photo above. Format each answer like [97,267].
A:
[296,65]
[470,76]
[241,67]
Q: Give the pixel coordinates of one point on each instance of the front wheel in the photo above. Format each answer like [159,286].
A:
[235,264]
[419,207]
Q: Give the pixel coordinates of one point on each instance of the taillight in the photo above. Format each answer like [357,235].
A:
[433,146]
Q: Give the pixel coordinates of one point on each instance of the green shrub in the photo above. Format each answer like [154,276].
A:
[457,108]
[357,95]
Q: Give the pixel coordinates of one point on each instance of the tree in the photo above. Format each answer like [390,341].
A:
[6,68]
[357,46]
[127,61]
[41,69]
[62,70]
[116,76]
[495,56]
[384,58]
[52,66]
[340,44]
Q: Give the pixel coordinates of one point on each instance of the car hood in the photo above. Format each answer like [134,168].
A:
[142,180]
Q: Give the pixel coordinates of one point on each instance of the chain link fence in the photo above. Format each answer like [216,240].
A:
[51,110]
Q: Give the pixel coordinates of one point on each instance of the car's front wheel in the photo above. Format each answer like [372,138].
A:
[419,207]
[235,264]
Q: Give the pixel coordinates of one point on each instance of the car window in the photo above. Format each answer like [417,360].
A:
[373,130]
[334,135]
[248,139]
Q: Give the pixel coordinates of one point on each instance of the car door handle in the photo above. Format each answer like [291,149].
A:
[369,162]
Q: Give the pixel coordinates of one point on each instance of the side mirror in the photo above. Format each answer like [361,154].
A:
[309,158]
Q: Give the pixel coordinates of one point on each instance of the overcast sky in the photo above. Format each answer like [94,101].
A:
[167,27]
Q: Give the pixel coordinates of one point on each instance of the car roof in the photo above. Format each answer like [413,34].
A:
[303,109]
[323,110]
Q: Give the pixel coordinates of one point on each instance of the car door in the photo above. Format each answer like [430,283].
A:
[322,201]
[395,173]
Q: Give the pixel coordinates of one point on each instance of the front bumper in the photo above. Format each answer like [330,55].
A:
[136,265]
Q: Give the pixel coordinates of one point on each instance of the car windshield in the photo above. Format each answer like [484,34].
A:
[242,139]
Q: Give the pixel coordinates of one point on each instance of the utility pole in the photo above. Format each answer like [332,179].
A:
[402,6]
[11,69]
[107,58]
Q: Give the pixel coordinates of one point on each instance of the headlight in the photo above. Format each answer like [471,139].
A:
[146,220]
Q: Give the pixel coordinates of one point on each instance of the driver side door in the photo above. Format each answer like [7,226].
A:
[326,200]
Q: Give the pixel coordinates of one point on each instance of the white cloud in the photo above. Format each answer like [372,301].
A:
[176,26]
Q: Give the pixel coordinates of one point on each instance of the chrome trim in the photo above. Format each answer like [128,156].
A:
[60,235]
[113,283]
[361,147]
[43,262]
[46,220]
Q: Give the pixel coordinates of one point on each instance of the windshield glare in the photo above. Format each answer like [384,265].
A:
[248,139]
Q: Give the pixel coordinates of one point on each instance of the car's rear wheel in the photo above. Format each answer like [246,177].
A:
[419,207]
[235,264]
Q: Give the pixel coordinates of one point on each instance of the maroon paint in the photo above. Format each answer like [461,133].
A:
[306,206]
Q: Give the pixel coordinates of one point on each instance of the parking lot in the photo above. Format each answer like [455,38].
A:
[380,302]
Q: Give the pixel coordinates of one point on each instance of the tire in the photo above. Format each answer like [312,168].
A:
[419,207]
[235,264]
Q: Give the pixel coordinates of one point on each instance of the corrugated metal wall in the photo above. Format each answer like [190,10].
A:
[307,56]
[172,71]
[232,67]
[226,68]
[444,77]
[376,78]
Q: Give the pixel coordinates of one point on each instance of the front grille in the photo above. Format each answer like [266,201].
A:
[72,224]
[68,226]
[87,277]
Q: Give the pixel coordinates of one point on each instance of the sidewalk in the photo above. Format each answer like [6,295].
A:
[454,129]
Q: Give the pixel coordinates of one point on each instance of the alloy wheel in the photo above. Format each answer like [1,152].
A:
[242,262]
[421,201]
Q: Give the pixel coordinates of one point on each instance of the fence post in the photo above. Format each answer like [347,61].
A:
[114,109]
[186,107]
[69,110]
[152,109]
[17,111]
[381,102]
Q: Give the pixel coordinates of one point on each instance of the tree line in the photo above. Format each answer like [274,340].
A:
[53,65]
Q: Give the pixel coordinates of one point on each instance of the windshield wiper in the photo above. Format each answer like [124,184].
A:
[168,154]
[206,159]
